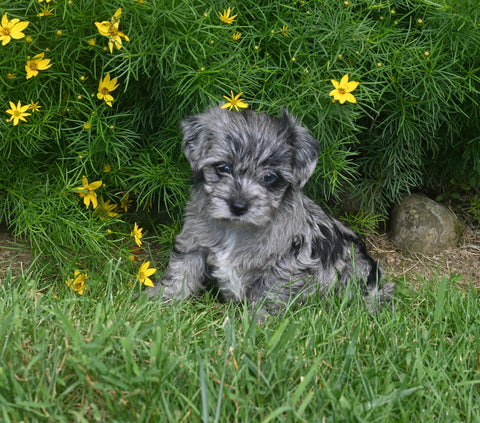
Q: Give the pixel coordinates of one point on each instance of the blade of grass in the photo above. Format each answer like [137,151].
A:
[203,389]
[439,311]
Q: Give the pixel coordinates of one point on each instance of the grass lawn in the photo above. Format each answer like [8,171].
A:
[108,357]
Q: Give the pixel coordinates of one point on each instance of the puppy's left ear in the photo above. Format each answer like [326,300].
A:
[194,135]
[304,147]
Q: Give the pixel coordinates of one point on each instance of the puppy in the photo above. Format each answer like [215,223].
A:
[249,227]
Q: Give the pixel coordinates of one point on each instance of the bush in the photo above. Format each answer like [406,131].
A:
[415,120]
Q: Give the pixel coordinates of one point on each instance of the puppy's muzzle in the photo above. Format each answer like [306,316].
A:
[239,207]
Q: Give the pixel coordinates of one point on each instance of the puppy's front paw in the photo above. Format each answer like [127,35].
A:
[155,293]
[167,290]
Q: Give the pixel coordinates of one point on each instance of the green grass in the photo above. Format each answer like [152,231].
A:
[106,356]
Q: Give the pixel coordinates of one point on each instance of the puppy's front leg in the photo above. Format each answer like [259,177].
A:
[268,295]
[183,277]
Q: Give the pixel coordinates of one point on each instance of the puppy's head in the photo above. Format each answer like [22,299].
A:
[247,161]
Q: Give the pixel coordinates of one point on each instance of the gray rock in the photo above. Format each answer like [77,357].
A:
[422,225]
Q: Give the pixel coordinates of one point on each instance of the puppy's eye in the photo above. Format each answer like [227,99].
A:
[270,178]
[224,169]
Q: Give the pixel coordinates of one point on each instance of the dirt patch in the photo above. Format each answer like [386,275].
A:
[14,254]
[416,268]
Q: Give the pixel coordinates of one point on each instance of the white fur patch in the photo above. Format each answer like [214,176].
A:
[228,277]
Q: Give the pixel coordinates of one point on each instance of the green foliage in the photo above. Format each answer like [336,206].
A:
[104,357]
[364,223]
[415,122]
[475,207]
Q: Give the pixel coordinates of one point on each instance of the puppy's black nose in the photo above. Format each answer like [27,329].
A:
[238,207]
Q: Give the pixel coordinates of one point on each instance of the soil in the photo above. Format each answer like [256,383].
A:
[14,254]
[413,267]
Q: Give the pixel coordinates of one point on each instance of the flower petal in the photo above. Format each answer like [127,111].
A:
[148,282]
[349,97]
[95,185]
[20,26]
[336,84]
[242,105]
[117,14]
[103,27]
[344,80]
[351,86]
[93,197]
[150,272]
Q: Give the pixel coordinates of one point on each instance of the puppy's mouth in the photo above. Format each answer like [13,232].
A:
[238,212]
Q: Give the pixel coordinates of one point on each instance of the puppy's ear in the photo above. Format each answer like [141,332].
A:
[194,135]
[304,147]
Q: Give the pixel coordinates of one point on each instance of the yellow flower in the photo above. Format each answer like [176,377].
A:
[11,75]
[87,192]
[236,36]
[110,29]
[46,12]
[18,112]
[78,283]
[225,17]
[34,107]
[235,101]
[144,273]
[107,168]
[106,210]
[87,125]
[137,234]
[125,203]
[104,87]
[37,63]
[343,89]
[11,29]
[91,42]
[284,30]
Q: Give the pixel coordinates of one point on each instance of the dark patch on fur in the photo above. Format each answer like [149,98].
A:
[374,275]
[327,248]
[177,253]
[276,160]
[278,185]
[198,177]
[297,244]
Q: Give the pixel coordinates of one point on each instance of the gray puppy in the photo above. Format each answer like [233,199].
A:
[249,227]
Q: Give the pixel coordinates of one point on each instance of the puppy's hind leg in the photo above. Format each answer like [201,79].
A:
[379,296]
[183,277]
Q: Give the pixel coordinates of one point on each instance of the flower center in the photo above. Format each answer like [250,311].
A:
[342,91]
[17,113]
[104,90]
[78,284]
[33,66]
[4,31]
